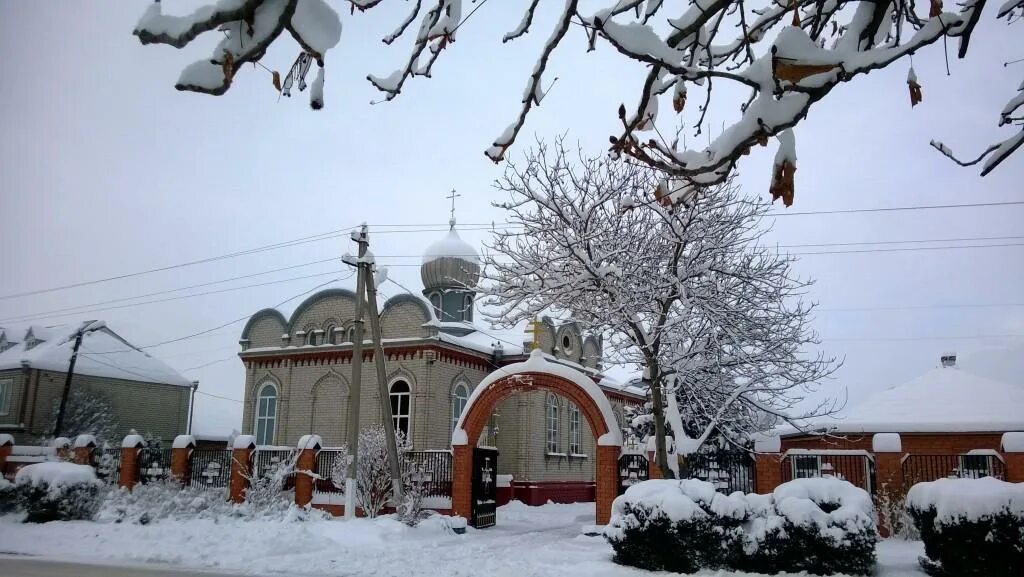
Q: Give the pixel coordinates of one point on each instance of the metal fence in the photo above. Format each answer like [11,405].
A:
[633,468]
[728,471]
[154,464]
[266,463]
[209,468]
[107,462]
[920,468]
[325,461]
[433,469]
[855,467]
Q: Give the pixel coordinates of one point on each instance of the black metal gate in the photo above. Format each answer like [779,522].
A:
[485,488]
[633,468]
[728,471]
[210,468]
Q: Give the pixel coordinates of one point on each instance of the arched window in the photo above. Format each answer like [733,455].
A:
[459,397]
[266,414]
[329,336]
[351,337]
[552,424]
[400,406]
[574,430]
[467,311]
[435,301]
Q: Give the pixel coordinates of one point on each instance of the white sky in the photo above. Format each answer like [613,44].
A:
[106,169]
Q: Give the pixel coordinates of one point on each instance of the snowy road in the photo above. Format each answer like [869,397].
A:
[31,567]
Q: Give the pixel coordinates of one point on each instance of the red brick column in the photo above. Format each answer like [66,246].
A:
[606,475]
[83,447]
[6,447]
[181,451]
[130,447]
[1013,453]
[462,479]
[767,464]
[241,467]
[888,450]
[62,445]
[308,447]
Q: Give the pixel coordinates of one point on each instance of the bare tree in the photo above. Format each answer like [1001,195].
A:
[685,290]
[784,55]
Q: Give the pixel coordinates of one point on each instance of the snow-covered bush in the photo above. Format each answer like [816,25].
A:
[892,514]
[57,491]
[373,476]
[164,500]
[8,496]
[266,493]
[969,526]
[821,526]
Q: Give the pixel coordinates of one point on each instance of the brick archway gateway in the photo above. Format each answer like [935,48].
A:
[538,374]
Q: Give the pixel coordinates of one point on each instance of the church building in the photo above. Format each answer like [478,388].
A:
[299,373]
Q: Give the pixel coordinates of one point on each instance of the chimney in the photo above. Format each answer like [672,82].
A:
[948,360]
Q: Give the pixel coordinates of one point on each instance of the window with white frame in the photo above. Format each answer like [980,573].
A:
[266,414]
[467,311]
[351,334]
[806,466]
[6,390]
[459,397]
[574,430]
[329,336]
[552,424]
[400,394]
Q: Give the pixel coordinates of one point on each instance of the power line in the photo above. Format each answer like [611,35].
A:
[204,365]
[75,310]
[924,338]
[218,396]
[429,227]
[919,307]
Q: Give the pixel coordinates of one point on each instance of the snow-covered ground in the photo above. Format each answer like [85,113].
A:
[527,541]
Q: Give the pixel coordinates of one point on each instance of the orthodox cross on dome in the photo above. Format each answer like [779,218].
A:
[451,220]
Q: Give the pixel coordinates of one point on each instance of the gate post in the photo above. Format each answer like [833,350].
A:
[130,447]
[241,466]
[305,467]
[6,448]
[83,447]
[462,479]
[767,463]
[181,450]
[606,476]
[1013,451]
[888,450]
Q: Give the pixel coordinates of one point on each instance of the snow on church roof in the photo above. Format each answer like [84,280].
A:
[451,246]
[945,399]
[103,354]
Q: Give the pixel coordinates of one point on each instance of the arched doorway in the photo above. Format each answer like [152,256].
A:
[538,374]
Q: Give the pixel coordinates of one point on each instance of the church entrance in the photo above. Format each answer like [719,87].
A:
[485,487]
[535,374]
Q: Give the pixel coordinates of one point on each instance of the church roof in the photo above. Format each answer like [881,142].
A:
[451,245]
[450,263]
[945,399]
[103,354]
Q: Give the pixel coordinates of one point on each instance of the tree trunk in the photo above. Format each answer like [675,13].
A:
[660,449]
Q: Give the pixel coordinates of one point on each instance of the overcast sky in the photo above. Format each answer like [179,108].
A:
[105,169]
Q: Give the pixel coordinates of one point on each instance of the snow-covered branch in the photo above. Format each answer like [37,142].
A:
[786,56]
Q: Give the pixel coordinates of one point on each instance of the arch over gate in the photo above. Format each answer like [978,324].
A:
[538,374]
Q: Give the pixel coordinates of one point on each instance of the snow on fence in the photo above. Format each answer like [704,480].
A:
[154,464]
[107,462]
[209,468]
[266,460]
[857,467]
[633,468]
[434,470]
[727,471]
[22,455]
[973,465]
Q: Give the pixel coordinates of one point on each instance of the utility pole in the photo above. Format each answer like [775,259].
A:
[362,240]
[192,406]
[382,383]
[86,327]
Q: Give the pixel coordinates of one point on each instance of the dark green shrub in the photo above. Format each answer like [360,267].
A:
[8,496]
[57,491]
[970,527]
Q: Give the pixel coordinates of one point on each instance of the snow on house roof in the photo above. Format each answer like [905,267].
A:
[103,354]
[451,245]
[945,399]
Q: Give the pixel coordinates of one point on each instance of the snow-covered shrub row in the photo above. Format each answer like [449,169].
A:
[8,496]
[969,526]
[57,491]
[822,526]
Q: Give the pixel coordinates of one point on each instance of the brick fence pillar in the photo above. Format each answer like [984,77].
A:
[6,447]
[1013,453]
[606,475]
[767,464]
[888,450]
[653,471]
[181,451]
[241,465]
[84,445]
[305,468]
[130,448]
[62,447]
[462,479]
